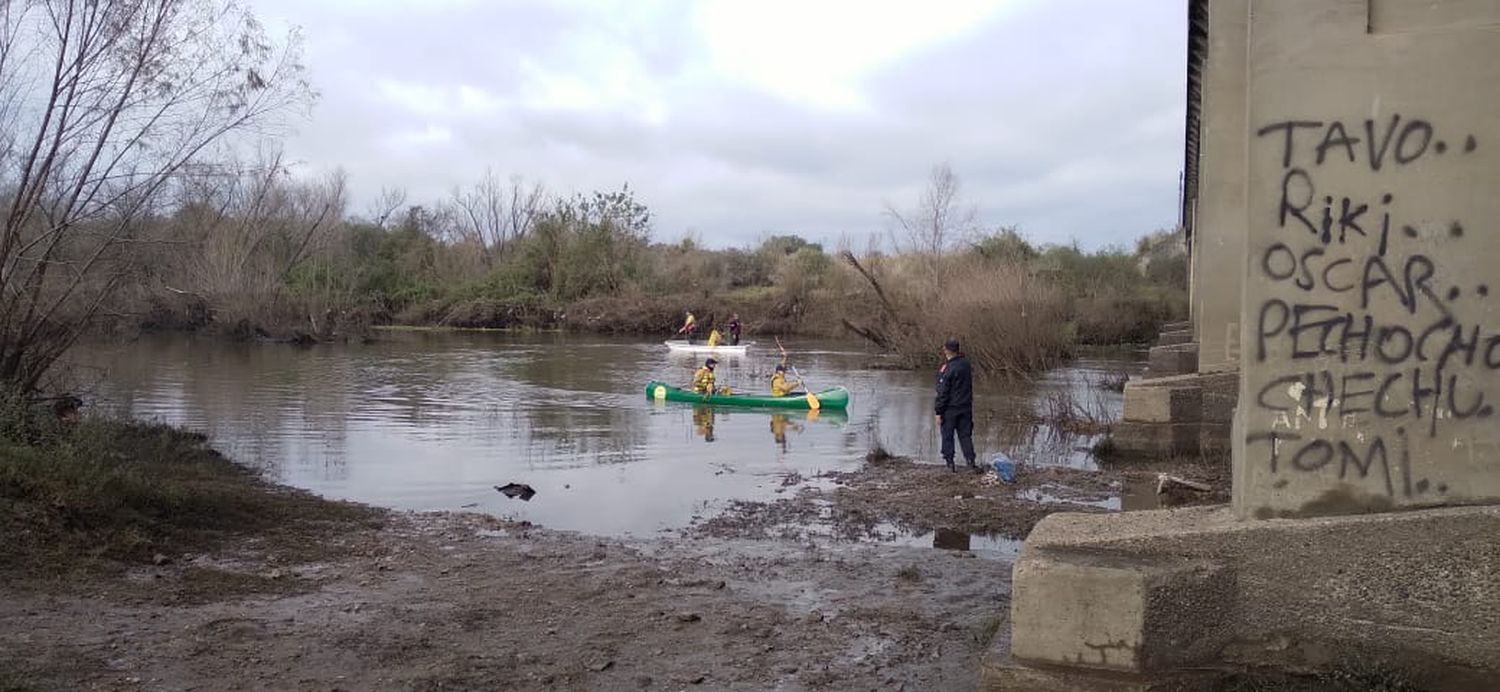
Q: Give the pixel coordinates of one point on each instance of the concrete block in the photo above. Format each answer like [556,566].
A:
[1215,438]
[1132,439]
[1102,611]
[1413,591]
[1000,672]
[1174,338]
[1178,359]
[1154,403]
[1221,393]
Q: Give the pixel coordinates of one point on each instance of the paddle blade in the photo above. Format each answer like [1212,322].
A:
[812,402]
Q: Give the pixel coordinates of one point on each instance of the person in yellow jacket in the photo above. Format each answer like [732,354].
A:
[703,380]
[689,326]
[715,338]
[779,385]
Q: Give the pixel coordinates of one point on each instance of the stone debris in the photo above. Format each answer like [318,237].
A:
[1164,482]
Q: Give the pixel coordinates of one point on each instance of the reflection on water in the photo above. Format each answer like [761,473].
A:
[992,547]
[423,420]
[948,539]
[780,422]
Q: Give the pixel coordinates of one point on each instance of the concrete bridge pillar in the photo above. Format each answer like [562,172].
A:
[1364,532]
[1200,361]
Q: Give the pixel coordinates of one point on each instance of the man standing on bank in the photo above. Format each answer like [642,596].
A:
[954,406]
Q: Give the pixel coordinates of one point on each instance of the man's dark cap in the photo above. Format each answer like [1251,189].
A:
[710,361]
[951,345]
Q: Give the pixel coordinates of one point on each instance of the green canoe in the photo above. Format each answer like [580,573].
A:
[835,398]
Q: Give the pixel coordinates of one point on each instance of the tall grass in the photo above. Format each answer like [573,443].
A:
[1006,321]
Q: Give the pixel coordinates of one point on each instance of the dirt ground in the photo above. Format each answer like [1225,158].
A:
[430,602]
[761,596]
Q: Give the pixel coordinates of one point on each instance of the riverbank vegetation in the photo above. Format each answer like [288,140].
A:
[100,496]
[280,259]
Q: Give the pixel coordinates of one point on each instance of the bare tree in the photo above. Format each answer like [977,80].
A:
[386,204]
[492,213]
[103,103]
[939,218]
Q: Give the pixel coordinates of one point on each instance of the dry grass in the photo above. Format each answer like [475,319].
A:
[1112,381]
[1107,319]
[1067,412]
[1007,321]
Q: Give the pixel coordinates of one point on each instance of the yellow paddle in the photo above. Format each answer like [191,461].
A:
[812,400]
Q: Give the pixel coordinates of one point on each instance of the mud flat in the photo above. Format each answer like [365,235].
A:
[893,497]
[798,593]
[454,601]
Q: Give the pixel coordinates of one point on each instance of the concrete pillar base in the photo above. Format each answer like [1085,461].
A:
[1176,359]
[1173,338]
[1181,415]
[1000,672]
[1153,595]
[1133,439]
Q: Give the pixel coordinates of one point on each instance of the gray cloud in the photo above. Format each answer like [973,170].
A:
[1063,117]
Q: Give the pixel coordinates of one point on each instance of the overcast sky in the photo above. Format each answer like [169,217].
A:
[736,119]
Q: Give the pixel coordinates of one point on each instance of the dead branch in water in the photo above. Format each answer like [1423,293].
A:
[870,277]
[870,334]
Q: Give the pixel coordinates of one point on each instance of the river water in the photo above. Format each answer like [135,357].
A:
[435,420]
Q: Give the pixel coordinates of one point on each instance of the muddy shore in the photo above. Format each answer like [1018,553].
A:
[791,594]
[452,601]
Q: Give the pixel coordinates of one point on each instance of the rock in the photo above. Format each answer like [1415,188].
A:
[643,681]
[515,490]
[689,617]
[159,559]
[602,666]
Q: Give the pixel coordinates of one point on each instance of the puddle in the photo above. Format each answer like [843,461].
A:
[1052,493]
[988,547]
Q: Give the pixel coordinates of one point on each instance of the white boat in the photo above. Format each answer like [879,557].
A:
[680,346]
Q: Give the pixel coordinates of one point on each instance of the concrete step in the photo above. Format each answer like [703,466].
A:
[1151,401]
[1176,359]
[1137,440]
[1173,338]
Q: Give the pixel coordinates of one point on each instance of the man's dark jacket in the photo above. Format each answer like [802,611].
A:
[955,387]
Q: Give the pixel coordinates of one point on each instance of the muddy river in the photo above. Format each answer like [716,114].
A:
[437,420]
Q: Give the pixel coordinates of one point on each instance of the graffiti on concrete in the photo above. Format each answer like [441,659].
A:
[1365,330]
